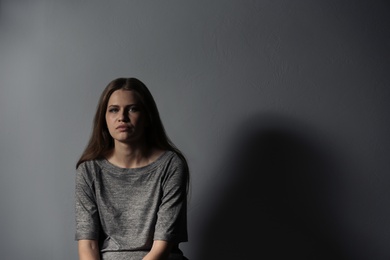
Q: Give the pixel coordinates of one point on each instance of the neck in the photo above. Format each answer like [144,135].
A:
[129,156]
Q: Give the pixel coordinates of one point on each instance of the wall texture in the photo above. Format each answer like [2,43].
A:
[280,106]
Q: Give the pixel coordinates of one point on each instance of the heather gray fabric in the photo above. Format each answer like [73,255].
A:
[126,209]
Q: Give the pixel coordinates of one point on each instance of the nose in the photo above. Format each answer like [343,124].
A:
[123,117]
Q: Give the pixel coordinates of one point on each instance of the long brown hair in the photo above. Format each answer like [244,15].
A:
[101,141]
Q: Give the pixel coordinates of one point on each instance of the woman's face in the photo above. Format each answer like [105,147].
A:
[125,117]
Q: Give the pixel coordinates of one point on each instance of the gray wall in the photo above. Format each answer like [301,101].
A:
[281,108]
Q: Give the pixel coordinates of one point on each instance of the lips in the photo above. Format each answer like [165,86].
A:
[123,128]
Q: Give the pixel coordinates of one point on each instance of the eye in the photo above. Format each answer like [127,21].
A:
[113,110]
[133,109]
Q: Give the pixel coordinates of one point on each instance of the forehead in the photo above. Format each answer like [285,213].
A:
[122,97]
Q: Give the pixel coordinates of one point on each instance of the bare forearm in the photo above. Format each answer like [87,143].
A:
[160,251]
[88,250]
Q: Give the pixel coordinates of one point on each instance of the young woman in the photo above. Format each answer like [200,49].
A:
[131,181]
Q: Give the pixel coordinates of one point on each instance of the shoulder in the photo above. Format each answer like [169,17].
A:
[173,164]
[88,165]
[89,169]
[172,158]
[173,170]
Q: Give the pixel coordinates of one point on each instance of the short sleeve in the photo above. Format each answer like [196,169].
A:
[172,214]
[87,216]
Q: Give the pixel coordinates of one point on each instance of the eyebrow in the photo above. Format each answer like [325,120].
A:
[130,105]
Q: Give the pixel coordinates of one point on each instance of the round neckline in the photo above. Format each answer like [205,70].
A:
[114,168]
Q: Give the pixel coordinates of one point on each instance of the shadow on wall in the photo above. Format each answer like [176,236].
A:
[281,198]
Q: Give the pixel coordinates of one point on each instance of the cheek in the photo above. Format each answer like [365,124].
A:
[139,120]
[108,121]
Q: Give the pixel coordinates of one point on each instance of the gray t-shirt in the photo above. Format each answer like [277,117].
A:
[126,209]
